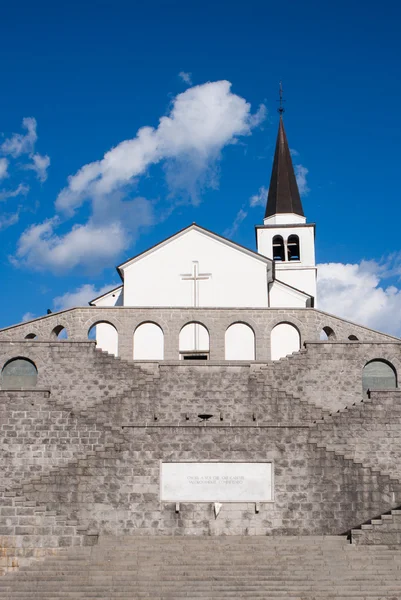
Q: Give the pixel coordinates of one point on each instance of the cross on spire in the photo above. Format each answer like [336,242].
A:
[281,108]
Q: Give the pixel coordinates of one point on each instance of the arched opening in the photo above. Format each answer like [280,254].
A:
[293,248]
[60,333]
[18,373]
[194,342]
[284,340]
[148,342]
[106,337]
[353,338]
[31,336]
[327,334]
[378,374]
[278,248]
[239,342]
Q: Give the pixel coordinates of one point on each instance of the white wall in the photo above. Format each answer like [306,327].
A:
[284,219]
[113,298]
[237,279]
[285,339]
[299,274]
[148,342]
[239,342]
[107,338]
[194,337]
[283,297]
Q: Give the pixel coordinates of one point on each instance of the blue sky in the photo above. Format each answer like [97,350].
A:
[86,76]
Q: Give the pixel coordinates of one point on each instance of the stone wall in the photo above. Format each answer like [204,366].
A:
[85,446]
[78,321]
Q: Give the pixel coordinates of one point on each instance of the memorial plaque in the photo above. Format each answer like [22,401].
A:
[216,482]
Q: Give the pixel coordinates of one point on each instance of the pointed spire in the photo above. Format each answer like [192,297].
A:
[283,194]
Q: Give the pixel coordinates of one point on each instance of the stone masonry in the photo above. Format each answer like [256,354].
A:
[81,451]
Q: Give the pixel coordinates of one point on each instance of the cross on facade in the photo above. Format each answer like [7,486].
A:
[195,276]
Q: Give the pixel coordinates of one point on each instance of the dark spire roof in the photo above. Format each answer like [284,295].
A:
[283,194]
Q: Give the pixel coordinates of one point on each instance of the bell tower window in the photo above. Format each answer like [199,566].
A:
[293,248]
[278,248]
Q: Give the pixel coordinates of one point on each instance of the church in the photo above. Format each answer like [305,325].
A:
[203,430]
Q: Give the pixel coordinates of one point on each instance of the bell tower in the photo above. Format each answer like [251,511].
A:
[285,237]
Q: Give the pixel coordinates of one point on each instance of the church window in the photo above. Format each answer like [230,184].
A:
[327,334]
[284,340]
[31,336]
[379,375]
[59,333]
[19,373]
[148,342]
[239,342]
[293,248]
[106,337]
[278,248]
[194,342]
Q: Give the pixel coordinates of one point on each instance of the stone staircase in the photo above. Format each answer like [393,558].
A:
[384,530]
[212,568]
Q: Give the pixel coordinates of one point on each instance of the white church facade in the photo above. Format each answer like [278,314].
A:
[199,269]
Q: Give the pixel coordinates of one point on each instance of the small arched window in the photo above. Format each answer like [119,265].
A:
[352,338]
[194,342]
[19,373]
[278,248]
[59,332]
[239,342]
[31,336]
[327,334]
[148,342]
[293,248]
[379,375]
[106,337]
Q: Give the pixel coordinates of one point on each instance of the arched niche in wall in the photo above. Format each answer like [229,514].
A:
[59,333]
[106,337]
[239,342]
[352,338]
[284,340]
[19,372]
[379,374]
[148,342]
[327,334]
[31,336]
[194,342]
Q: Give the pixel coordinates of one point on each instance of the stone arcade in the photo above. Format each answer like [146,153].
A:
[209,444]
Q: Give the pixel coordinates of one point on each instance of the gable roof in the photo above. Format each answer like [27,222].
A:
[91,303]
[193,227]
[293,289]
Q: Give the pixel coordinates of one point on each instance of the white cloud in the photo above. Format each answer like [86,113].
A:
[231,231]
[3,168]
[9,220]
[188,142]
[358,292]
[20,190]
[81,296]
[294,152]
[300,173]
[28,316]
[39,164]
[203,120]
[86,245]
[18,143]
[186,77]
[92,245]
[260,198]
